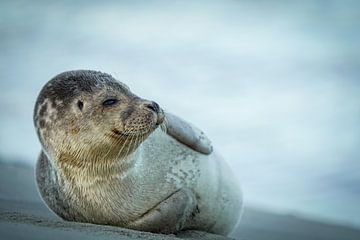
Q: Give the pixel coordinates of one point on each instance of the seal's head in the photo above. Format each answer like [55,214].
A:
[89,116]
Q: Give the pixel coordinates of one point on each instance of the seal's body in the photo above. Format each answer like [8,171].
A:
[110,158]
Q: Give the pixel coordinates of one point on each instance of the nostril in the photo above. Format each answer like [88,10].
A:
[153,106]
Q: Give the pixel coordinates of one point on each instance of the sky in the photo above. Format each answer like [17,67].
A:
[274,84]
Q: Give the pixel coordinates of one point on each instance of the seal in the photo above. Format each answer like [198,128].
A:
[110,157]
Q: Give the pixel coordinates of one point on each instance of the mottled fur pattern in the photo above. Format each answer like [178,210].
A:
[114,165]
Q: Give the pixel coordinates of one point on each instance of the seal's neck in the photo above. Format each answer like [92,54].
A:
[88,168]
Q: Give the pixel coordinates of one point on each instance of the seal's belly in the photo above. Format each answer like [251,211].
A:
[168,165]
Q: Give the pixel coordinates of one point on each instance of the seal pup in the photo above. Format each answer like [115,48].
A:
[110,157]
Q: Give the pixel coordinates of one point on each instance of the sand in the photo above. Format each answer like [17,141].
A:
[23,215]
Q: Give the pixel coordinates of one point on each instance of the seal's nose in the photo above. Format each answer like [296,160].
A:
[153,106]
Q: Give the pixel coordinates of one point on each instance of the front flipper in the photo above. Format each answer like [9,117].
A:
[170,215]
[187,134]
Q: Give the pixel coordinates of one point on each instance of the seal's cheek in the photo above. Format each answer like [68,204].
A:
[74,127]
[126,113]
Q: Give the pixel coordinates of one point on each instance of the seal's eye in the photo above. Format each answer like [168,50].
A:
[110,102]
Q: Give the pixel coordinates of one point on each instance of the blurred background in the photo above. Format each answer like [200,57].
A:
[274,84]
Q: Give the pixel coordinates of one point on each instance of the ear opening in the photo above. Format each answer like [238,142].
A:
[80,105]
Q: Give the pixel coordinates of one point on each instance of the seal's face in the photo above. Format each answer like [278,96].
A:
[89,114]
[116,114]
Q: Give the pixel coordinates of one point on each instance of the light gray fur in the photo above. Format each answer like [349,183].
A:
[172,181]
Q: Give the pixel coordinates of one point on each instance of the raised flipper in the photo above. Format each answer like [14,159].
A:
[187,134]
[169,216]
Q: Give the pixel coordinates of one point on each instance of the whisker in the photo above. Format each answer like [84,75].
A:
[130,145]
[122,147]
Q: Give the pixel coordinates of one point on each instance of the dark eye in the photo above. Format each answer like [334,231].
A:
[110,102]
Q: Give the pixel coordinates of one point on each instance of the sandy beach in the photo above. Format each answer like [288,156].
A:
[23,215]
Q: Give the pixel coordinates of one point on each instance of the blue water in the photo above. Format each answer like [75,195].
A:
[274,84]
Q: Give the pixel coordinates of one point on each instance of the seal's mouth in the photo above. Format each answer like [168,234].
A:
[141,125]
[160,117]
[118,133]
